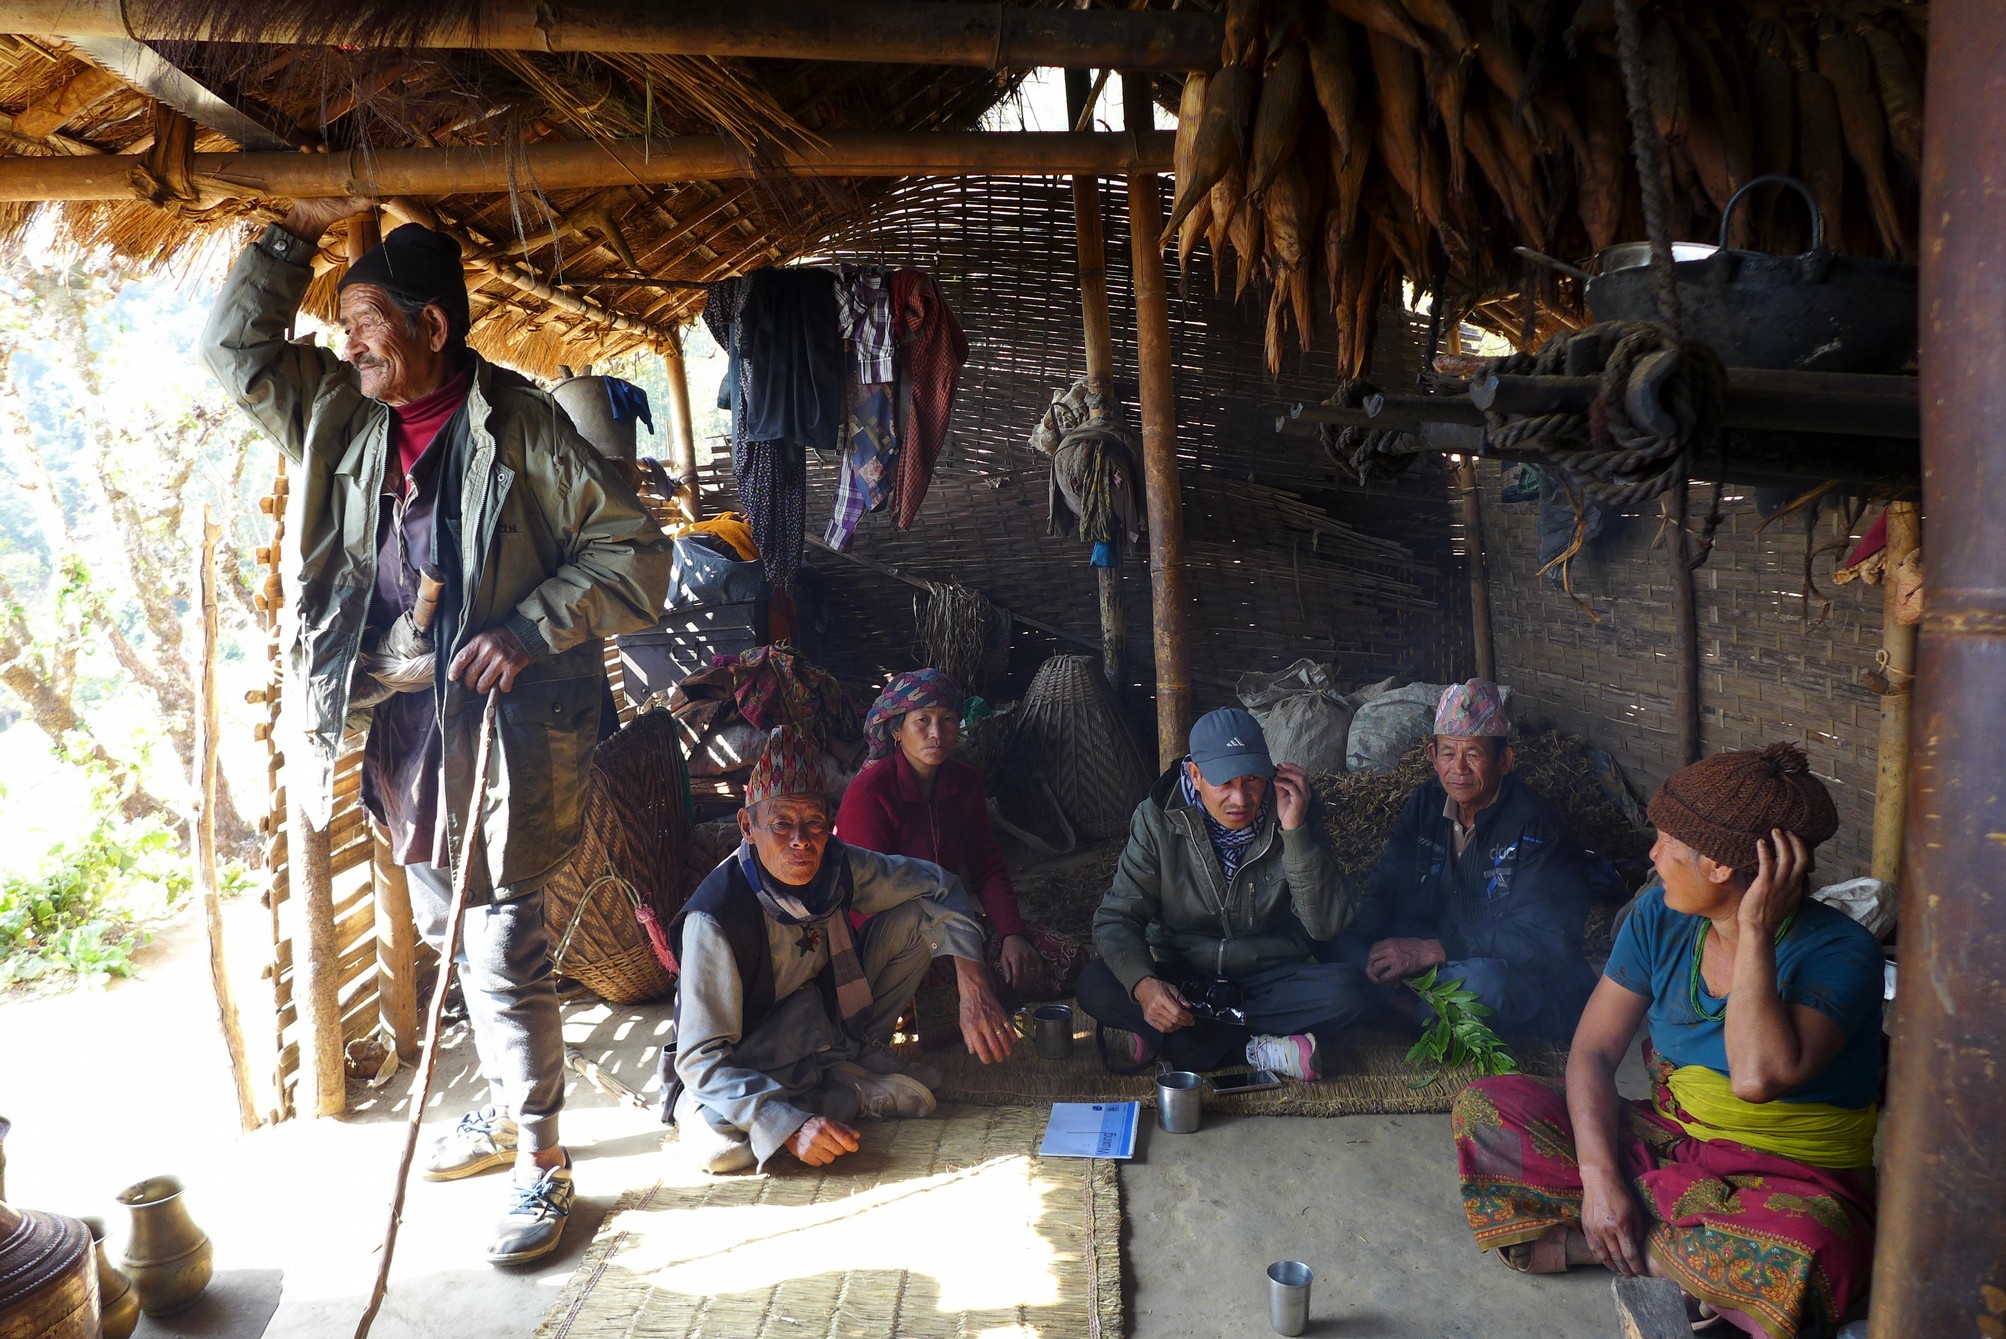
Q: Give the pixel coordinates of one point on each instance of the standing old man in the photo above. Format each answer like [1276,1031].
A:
[784,1011]
[411,452]
[1483,879]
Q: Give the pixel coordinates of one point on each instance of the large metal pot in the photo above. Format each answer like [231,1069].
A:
[1815,312]
[48,1277]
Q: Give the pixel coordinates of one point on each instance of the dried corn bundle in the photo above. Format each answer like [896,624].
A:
[1347,143]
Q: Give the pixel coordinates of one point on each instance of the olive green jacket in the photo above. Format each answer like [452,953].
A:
[555,546]
[1171,913]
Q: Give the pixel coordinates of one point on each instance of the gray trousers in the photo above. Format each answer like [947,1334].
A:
[511,994]
[801,1041]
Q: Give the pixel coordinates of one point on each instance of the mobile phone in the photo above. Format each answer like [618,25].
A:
[1246,1081]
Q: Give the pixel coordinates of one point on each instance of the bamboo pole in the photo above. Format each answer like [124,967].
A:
[592,165]
[682,430]
[455,913]
[396,947]
[1099,337]
[208,727]
[1159,439]
[987,36]
[1480,586]
[1898,645]
[317,969]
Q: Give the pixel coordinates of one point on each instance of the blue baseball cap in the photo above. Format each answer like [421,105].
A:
[1228,743]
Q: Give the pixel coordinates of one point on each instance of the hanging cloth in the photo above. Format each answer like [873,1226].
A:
[935,350]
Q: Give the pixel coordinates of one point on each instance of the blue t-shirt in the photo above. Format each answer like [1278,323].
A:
[1827,962]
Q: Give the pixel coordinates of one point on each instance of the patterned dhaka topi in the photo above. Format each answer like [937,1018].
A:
[908,692]
[788,764]
[1473,710]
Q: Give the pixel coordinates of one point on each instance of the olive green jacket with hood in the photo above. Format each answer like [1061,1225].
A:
[1171,905]
[554,546]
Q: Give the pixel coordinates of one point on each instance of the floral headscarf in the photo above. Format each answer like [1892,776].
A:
[907,692]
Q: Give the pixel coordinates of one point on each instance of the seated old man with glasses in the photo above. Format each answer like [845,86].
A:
[784,1014]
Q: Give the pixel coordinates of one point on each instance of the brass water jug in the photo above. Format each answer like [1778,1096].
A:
[167,1257]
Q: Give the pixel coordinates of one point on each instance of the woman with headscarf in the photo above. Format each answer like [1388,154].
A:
[1748,1178]
[916,799]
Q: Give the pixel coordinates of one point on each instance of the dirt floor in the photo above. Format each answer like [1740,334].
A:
[105,1088]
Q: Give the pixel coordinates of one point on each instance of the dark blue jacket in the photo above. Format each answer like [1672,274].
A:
[1519,893]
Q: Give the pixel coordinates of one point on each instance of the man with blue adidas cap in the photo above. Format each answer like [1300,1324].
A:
[1207,934]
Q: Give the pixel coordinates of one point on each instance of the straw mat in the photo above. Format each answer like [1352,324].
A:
[1369,1078]
[947,1226]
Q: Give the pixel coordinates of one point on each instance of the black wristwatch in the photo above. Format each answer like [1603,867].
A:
[282,245]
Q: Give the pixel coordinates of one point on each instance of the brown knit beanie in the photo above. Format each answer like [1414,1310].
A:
[1721,806]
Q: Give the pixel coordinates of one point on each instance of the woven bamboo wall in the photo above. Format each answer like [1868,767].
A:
[1284,558]
[354,894]
[1764,673]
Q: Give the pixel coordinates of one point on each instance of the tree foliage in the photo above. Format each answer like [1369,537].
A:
[113,438]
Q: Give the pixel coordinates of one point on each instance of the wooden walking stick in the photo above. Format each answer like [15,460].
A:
[423,1091]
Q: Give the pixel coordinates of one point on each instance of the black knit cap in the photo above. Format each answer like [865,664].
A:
[1723,805]
[417,265]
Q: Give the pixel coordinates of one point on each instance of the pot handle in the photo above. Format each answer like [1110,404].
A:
[1777,178]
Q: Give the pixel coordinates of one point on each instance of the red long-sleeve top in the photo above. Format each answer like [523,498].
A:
[884,811]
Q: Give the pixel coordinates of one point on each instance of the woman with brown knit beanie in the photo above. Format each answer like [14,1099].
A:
[1748,1178]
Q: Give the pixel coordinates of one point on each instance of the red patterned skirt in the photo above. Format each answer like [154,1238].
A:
[1785,1244]
[936,1009]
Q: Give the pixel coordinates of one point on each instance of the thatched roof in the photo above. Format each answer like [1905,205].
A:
[54,101]
[1420,142]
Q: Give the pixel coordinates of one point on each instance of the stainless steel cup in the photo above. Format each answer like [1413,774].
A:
[1179,1101]
[1052,1025]
[1288,1296]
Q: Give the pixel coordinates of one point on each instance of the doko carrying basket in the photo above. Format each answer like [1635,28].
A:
[1070,731]
[630,873]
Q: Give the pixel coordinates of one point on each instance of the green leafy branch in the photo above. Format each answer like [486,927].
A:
[1457,1036]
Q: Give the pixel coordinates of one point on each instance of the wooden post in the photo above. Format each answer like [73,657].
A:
[1480,586]
[1685,629]
[1898,643]
[316,959]
[682,430]
[1159,439]
[1100,359]
[208,725]
[396,948]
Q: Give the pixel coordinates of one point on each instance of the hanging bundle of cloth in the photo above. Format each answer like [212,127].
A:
[725,712]
[859,363]
[784,389]
[1092,491]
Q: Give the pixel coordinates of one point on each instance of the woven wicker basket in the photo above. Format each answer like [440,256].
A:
[633,854]
[1070,730]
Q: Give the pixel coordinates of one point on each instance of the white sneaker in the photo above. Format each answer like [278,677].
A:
[885,1096]
[1292,1057]
[480,1141]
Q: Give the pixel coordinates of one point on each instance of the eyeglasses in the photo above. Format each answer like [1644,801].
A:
[812,829]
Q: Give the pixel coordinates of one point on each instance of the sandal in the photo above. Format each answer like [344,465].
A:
[1706,1320]
[1542,1255]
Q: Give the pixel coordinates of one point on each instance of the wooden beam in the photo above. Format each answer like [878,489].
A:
[396,948]
[981,36]
[681,429]
[59,106]
[591,165]
[1099,355]
[1159,439]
